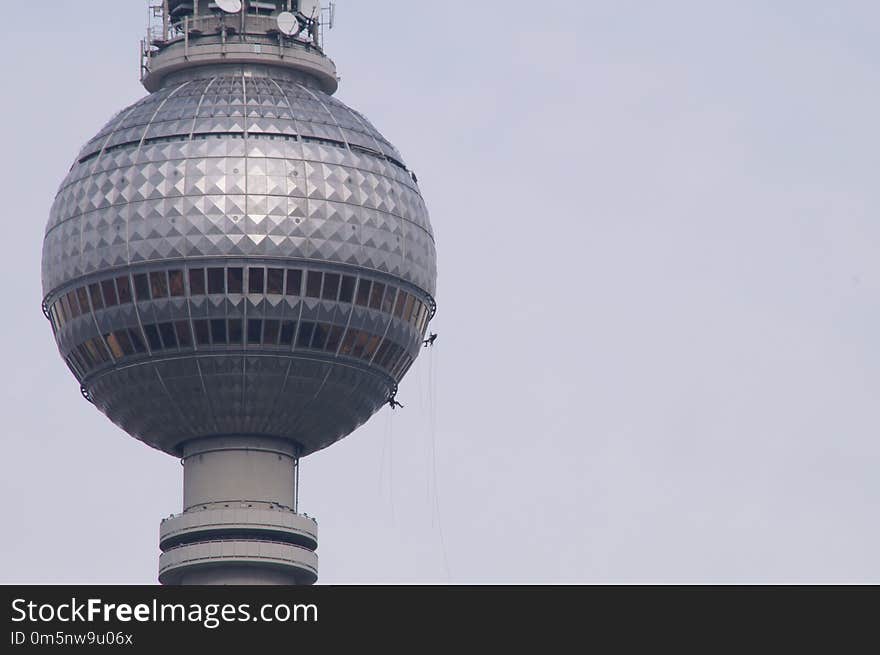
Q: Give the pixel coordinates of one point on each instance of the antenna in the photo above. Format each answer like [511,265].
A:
[288,24]
[229,6]
[330,12]
[310,8]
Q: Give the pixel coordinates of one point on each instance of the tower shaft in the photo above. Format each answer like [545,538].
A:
[239,523]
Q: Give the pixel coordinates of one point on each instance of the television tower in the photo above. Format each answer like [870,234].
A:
[239,270]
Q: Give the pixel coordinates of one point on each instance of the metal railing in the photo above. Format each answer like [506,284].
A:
[229,29]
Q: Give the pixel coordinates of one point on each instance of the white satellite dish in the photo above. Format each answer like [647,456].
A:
[310,8]
[288,23]
[229,6]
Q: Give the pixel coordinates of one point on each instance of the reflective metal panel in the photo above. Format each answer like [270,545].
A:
[202,257]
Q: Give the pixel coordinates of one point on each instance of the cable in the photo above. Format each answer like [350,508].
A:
[391,464]
[433,427]
[424,397]
[382,457]
[387,444]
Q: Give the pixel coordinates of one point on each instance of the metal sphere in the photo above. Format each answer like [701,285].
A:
[239,254]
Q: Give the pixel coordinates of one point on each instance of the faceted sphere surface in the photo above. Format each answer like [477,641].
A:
[239,254]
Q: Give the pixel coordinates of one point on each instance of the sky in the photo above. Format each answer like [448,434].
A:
[657,233]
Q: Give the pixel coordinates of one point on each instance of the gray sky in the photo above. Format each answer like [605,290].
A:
[657,230]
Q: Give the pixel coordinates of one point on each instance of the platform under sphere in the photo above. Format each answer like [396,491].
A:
[239,253]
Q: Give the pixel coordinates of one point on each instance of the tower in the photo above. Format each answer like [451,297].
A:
[239,270]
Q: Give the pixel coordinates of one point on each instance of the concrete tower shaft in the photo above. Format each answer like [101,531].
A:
[239,524]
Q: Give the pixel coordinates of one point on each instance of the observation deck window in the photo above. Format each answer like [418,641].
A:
[175,284]
[158,284]
[363,292]
[320,336]
[197,281]
[401,302]
[335,338]
[388,302]
[360,342]
[109,292]
[271,328]
[96,349]
[113,344]
[313,284]
[184,335]
[376,296]
[234,280]
[304,338]
[136,341]
[123,287]
[70,299]
[256,280]
[65,308]
[275,281]
[124,342]
[166,331]
[288,329]
[383,352]
[255,331]
[331,286]
[346,291]
[153,337]
[294,282]
[235,331]
[371,347]
[203,337]
[83,299]
[95,295]
[215,281]
[142,287]
[348,342]
[218,331]
[85,356]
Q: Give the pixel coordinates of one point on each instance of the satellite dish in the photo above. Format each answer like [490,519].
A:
[310,8]
[288,24]
[229,6]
